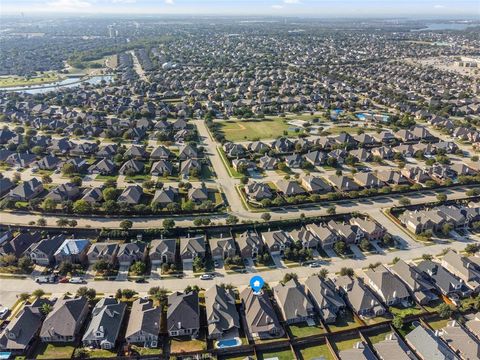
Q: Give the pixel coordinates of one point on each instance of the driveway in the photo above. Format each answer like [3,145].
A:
[278,261]
[155,273]
[188,268]
[357,252]
[249,265]
[122,273]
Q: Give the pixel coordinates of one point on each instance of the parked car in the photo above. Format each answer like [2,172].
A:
[206,277]
[3,312]
[45,279]
[315,265]
[63,280]
[76,280]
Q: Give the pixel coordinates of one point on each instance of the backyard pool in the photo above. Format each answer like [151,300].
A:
[226,343]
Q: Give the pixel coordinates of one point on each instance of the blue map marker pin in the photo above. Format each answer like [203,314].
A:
[256,283]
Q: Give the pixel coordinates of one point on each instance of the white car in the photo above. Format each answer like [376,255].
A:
[3,312]
[76,280]
[315,265]
[206,277]
[45,279]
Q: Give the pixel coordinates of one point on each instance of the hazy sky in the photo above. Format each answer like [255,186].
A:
[318,8]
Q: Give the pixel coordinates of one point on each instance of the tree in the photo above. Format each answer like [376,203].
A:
[365,245]
[472,192]
[427,257]
[38,293]
[323,273]
[197,263]
[25,263]
[101,266]
[344,271]
[168,224]
[388,240]
[331,210]
[398,321]
[46,308]
[82,207]
[444,311]
[197,222]
[81,353]
[109,194]
[42,221]
[68,169]
[231,220]
[266,216]
[24,296]
[126,225]
[138,267]
[89,293]
[340,247]
[289,276]
[472,248]
[158,293]
[128,293]
[62,222]
[441,197]
[118,294]
[72,223]
[446,228]
[395,259]
[404,201]
[46,179]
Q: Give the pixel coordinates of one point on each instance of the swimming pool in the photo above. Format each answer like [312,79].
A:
[226,343]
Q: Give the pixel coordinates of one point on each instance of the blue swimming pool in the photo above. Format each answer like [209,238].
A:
[226,343]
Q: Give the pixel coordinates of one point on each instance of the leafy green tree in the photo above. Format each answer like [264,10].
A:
[126,225]
[168,224]
[427,257]
[72,223]
[344,271]
[89,293]
[340,247]
[444,311]
[472,248]
[323,273]
[128,293]
[101,266]
[109,194]
[62,222]
[398,322]
[38,293]
[332,210]
[404,201]
[441,197]
[266,216]
[42,222]
[138,268]
[231,220]
[46,308]
[158,293]
[24,296]
[289,276]
[82,207]
[365,245]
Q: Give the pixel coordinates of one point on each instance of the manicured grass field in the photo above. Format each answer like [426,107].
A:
[303,330]
[179,345]
[102,354]
[376,338]
[438,323]
[22,81]
[315,352]
[344,322]
[251,130]
[415,310]
[51,351]
[345,344]
[282,355]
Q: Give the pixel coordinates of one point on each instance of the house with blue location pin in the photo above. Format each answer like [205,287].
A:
[256,283]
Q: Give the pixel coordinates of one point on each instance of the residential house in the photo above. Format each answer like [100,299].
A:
[359,297]
[460,340]
[22,331]
[166,195]
[360,351]
[428,345]
[388,287]
[367,180]
[393,347]
[315,184]
[144,323]
[163,251]
[131,195]
[26,191]
[103,167]
[249,244]
[162,168]
[73,251]
[289,187]
[276,241]
[421,288]
[103,251]
[191,247]
[325,297]
[64,192]
[463,268]
[267,162]
[183,314]
[198,194]
[20,243]
[258,191]
[5,186]
[392,177]
[371,230]
[294,304]
[305,237]
[222,316]
[316,158]
[260,316]
[132,167]
[343,183]
[221,248]
[104,328]
[128,253]
[42,252]
[63,323]
[444,281]
[326,237]
[346,232]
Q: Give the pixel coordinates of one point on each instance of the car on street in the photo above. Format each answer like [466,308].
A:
[4,312]
[206,277]
[314,265]
[76,280]
[141,281]
[45,279]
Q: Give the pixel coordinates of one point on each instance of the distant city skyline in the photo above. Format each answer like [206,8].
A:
[312,8]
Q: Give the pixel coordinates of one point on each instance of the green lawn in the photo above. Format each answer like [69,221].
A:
[438,323]
[251,130]
[22,81]
[405,311]
[344,322]
[179,345]
[232,172]
[374,339]
[106,177]
[282,355]
[100,353]
[315,352]
[433,305]
[345,344]
[54,351]
[378,319]
[303,330]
